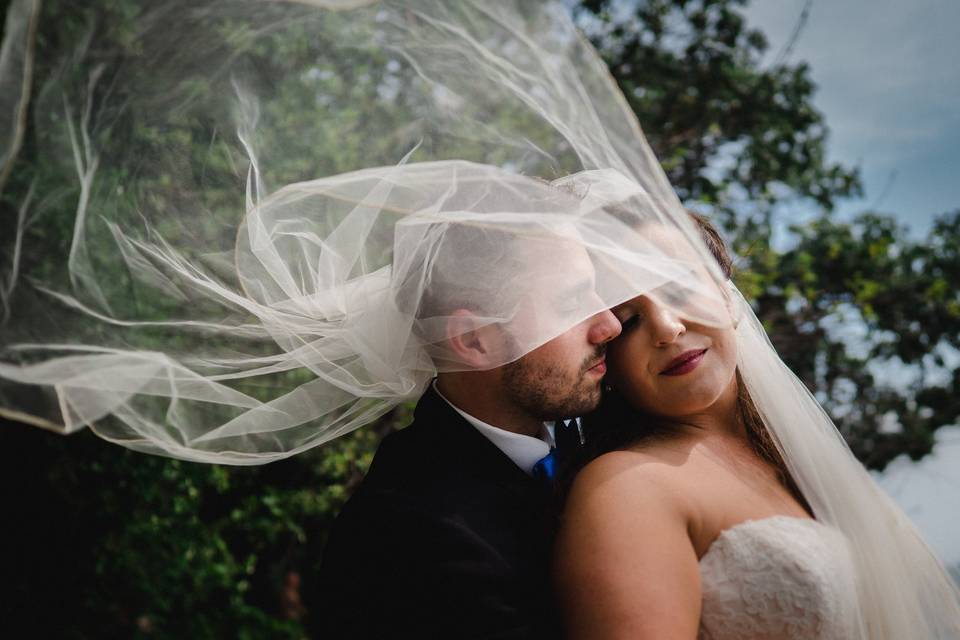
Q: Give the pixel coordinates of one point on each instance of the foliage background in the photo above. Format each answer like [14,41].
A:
[104,542]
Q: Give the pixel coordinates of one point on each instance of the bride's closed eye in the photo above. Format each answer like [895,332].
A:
[629,321]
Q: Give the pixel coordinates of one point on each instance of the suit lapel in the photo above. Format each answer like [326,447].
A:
[456,442]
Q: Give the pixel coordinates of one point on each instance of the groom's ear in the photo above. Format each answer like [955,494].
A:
[470,342]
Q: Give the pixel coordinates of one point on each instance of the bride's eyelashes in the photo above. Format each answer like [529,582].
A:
[629,322]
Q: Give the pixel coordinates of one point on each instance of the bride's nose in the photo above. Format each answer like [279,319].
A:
[665,324]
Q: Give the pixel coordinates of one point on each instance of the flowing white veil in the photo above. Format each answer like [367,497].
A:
[225,236]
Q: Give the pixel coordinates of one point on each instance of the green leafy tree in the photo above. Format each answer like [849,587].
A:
[104,542]
[726,128]
[854,302]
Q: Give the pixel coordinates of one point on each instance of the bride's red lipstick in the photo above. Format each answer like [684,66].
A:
[684,363]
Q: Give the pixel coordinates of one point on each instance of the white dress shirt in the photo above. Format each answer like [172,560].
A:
[525,451]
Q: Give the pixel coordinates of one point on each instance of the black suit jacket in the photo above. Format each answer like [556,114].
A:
[445,538]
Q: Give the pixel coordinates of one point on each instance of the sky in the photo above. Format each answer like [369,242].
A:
[888,73]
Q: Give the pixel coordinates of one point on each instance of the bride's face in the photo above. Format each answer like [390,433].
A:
[668,365]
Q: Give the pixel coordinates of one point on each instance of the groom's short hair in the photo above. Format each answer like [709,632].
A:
[436,282]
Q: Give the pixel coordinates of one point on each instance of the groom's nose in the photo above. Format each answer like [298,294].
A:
[604,327]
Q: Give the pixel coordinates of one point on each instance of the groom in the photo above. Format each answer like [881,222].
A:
[450,533]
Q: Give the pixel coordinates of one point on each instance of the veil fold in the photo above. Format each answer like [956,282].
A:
[228,225]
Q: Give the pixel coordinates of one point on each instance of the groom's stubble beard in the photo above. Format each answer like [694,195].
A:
[547,391]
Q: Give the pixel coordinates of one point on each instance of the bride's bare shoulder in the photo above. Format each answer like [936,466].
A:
[663,463]
[653,477]
[624,562]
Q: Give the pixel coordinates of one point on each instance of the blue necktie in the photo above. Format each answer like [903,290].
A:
[567,435]
[546,468]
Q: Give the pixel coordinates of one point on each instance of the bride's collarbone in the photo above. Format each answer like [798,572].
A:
[718,456]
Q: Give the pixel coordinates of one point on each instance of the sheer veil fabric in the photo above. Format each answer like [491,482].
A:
[248,210]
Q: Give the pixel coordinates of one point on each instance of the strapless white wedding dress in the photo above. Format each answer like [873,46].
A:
[780,577]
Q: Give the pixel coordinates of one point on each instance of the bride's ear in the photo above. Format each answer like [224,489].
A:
[469,342]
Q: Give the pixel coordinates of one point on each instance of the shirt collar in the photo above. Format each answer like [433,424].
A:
[525,451]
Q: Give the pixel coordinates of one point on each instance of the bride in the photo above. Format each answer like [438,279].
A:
[692,520]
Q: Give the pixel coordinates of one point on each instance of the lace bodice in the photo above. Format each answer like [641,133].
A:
[780,577]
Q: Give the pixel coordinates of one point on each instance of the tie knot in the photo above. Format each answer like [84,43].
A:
[546,468]
[568,436]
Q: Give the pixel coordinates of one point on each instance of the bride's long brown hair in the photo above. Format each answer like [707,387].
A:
[616,424]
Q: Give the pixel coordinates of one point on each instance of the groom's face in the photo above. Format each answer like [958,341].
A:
[561,378]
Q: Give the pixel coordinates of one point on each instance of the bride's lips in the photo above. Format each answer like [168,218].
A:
[684,363]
